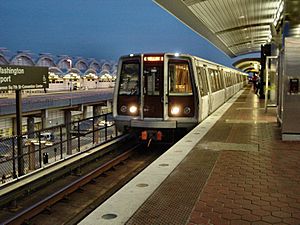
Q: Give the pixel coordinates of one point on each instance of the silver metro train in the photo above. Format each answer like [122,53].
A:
[157,94]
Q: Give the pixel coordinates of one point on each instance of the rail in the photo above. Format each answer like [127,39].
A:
[55,197]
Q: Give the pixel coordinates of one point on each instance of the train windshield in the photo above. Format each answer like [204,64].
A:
[179,78]
[129,79]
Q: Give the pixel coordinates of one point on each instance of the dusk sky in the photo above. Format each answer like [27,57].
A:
[101,29]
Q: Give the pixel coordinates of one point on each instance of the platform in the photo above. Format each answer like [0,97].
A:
[231,169]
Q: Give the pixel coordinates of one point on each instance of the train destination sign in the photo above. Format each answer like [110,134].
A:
[23,77]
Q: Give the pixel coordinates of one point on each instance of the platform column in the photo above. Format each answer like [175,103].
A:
[97,110]
[265,51]
[30,126]
[44,116]
[109,106]
[84,112]
[289,74]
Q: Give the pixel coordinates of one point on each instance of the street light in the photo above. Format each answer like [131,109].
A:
[71,85]
[70,61]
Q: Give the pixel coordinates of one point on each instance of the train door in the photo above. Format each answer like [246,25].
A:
[153,86]
[181,101]
[204,92]
[210,86]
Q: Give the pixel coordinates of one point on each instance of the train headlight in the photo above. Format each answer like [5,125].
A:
[175,110]
[123,109]
[187,110]
[133,109]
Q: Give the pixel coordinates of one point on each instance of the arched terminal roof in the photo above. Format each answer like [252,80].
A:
[59,66]
[236,27]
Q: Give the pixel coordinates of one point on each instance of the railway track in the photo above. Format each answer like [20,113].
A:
[70,199]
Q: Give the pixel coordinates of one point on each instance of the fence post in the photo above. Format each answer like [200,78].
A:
[94,130]
[61,142]
[40,149]
[31,154]
[14,158]
[78,136]
[68,123]
[105,125]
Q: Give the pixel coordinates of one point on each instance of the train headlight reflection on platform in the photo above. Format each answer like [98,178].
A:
[175,110]
[133,109]
[123,109]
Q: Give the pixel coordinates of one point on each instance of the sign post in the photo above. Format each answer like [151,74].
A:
[18,78]
[19,132]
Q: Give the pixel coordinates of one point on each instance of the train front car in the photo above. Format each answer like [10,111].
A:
[155,96]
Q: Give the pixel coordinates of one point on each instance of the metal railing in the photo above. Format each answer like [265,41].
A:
[47,146]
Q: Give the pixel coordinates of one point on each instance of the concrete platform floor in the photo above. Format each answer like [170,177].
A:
[250,176]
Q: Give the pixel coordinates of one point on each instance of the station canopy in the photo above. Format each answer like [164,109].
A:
[248,65]
[236,27]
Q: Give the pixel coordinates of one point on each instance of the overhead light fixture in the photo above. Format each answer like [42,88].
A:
[242,17]
[279,13]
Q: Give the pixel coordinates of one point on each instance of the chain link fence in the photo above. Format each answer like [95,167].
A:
[47,146]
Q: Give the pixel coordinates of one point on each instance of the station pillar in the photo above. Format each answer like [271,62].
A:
[97,110]
[265,51]
[31,147]
[44,116]
[30,126]
[290,74]
[109,106]
[84,112]
[68,120]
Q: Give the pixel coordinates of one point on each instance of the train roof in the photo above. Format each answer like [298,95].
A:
[184,55]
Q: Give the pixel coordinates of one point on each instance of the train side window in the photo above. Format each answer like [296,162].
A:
[228,80]
[129,79]
[179,78]
[217,80]
[203,81]
[235,78]
[217,83]
[213,80]
[221,79]
[232,78]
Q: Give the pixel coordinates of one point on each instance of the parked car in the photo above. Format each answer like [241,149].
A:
[47,136]
[103,122]
[84,127]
